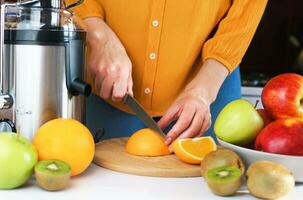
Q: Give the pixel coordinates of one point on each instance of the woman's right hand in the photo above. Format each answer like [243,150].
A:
[108,63]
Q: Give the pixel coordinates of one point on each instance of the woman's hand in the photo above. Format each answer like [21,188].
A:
[108,63]
[191,110]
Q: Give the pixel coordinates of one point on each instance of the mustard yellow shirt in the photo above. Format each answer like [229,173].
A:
[168,40]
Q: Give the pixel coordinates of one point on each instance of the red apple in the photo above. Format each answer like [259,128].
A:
[283,136]
[258,145]
[282,96]
[265,116]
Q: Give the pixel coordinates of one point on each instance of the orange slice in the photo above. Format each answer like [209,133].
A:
[193,151]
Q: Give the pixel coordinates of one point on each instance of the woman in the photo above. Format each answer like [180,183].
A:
[172,55]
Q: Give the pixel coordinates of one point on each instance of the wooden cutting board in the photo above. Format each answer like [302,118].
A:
[111,154]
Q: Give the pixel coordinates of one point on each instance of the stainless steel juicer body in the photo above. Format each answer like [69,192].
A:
[42,69]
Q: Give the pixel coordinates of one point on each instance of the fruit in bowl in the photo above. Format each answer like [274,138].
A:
[283,136]
[282,96]
[265,116]
[238,123]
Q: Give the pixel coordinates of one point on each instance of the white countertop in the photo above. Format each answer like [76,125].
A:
[101,184]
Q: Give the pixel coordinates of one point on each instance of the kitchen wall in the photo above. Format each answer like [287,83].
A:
[276,48]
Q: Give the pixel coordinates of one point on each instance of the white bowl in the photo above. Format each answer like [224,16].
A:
[293,163]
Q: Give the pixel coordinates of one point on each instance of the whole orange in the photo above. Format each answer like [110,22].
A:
[67,140]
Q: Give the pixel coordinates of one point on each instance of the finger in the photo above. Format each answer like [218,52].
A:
[200,133]
[121,83]
[93,76]
[168,117]
[130,86]
[195,126]
[97,76]
[92,73]
[206,124]
[106,87]
[183,123]
[119,89]
[97,83]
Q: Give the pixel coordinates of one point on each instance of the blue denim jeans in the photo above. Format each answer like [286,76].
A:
[116,123]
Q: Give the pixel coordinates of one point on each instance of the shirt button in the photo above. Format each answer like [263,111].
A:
[147,90]
[152,56]
[155,23]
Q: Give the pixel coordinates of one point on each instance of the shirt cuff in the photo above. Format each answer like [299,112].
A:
[229,66]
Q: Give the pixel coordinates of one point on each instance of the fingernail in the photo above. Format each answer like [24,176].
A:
[168,141]
[170,148]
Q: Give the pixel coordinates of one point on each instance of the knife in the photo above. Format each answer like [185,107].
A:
[133,104]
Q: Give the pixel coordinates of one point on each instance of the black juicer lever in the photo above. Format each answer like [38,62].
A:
[75,62]
[81,87]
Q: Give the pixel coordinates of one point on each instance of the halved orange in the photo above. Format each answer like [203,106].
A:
[193,150]
[146,142]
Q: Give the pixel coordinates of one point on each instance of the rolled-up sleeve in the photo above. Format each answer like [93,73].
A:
[234,33]
[89,8]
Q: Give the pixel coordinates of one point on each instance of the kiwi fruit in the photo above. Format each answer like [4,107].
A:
[52,175]
[269,180]
[224,181]
[219,158]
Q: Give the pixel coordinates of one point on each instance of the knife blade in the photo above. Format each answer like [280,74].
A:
[135,106]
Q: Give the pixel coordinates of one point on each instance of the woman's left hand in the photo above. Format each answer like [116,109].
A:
[191,111]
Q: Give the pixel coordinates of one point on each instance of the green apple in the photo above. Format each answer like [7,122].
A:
[18,157]
[238,123]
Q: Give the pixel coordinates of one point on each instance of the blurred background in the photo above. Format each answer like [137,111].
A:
[277,46]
